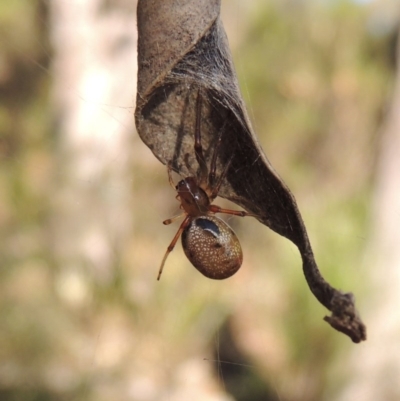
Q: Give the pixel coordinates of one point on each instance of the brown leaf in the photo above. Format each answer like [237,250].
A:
[183,50]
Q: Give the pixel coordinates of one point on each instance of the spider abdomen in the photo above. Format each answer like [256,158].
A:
[212,247]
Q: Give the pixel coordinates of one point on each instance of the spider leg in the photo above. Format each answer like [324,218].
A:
[172,219]
[171,246]
[213,165]
[241,213]
[215,190]
[198,148]
[171,181]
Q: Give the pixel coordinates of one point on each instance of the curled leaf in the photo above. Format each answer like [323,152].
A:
[183,50]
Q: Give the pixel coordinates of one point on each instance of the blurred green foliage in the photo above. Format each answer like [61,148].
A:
[317,80]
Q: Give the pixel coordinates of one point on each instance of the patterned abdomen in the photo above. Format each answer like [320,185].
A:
[212,247]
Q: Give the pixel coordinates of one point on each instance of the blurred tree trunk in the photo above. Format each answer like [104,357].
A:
[95,75]
[375,366]
[94,70]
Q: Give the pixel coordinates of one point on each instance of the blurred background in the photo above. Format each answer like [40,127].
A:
[82,199]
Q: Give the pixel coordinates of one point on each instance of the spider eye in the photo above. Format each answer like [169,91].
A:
[180,184]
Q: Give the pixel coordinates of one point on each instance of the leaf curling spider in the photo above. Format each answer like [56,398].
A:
[208,242]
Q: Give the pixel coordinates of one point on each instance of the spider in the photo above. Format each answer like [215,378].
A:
[208,242]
